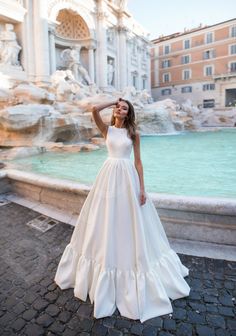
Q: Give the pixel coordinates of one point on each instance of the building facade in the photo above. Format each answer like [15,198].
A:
[100,38]
[199,64]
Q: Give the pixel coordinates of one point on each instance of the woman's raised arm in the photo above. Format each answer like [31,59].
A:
[97,118]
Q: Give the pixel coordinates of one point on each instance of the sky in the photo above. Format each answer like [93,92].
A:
[164,17]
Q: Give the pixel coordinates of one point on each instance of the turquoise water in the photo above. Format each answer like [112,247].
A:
[194,164]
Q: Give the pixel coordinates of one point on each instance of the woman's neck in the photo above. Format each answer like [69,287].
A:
[119,124]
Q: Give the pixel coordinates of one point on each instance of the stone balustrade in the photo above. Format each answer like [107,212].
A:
[196,219]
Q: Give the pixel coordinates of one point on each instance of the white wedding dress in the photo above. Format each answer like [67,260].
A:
[119,253]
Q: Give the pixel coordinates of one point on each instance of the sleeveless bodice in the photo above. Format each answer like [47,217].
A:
[118,143]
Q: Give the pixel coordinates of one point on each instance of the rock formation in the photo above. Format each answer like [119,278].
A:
[61,112]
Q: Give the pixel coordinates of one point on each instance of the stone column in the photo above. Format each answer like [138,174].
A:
[155,67]
[28,60]
[148,71]
[52,49]
[41,41]
[129,66]
[139,57]
[102,47]
[91,63]
[122,57]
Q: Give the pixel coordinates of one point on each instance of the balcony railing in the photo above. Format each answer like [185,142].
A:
[231,73]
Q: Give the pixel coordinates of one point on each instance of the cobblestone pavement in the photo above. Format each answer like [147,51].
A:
[31,304]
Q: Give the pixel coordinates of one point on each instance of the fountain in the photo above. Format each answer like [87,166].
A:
[33,116]
[57,118]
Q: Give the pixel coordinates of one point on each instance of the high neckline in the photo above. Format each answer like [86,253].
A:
[120,128]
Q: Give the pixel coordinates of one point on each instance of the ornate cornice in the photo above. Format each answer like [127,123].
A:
[55,6]
[122,29]
[13,10]
[53,3]
[101,15]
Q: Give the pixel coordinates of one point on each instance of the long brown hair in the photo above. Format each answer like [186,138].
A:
[129,121]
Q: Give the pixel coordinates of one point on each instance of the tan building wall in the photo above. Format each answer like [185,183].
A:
[169,54]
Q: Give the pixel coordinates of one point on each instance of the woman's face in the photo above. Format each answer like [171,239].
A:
[121,110]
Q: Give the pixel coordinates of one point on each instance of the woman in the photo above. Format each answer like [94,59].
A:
[119,253]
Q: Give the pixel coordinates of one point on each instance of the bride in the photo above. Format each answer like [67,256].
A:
[119,254]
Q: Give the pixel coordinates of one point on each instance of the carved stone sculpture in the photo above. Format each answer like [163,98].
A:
[9,48]
[110,72]
[61,86]
[71,58]
[122,4]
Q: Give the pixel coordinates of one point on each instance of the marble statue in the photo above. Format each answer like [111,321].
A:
[9,48]
[145,97]
[110,72]
[83,74]
[138,98]
[122,4]
[77,88]
[71,58]
[61,85]
[67,87]
[129,93]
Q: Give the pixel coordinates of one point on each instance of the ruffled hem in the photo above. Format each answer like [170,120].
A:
[137,295]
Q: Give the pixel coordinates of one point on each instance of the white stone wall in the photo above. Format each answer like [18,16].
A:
[111,34]
[197,96]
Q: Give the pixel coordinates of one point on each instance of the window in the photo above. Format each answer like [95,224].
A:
[186,44]
[134,49]
[134,81]
[166,92]
[186,74]
[166,49]
[166,64]
[186,89]
[208,87]
[208,70]
[233,49]
[233,31]
[144,54]
[166,77]
[233,67]
[185,59]
[209,37]
[144,83]
[208,103]
[209,54]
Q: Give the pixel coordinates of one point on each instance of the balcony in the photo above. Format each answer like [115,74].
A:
[225,76]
